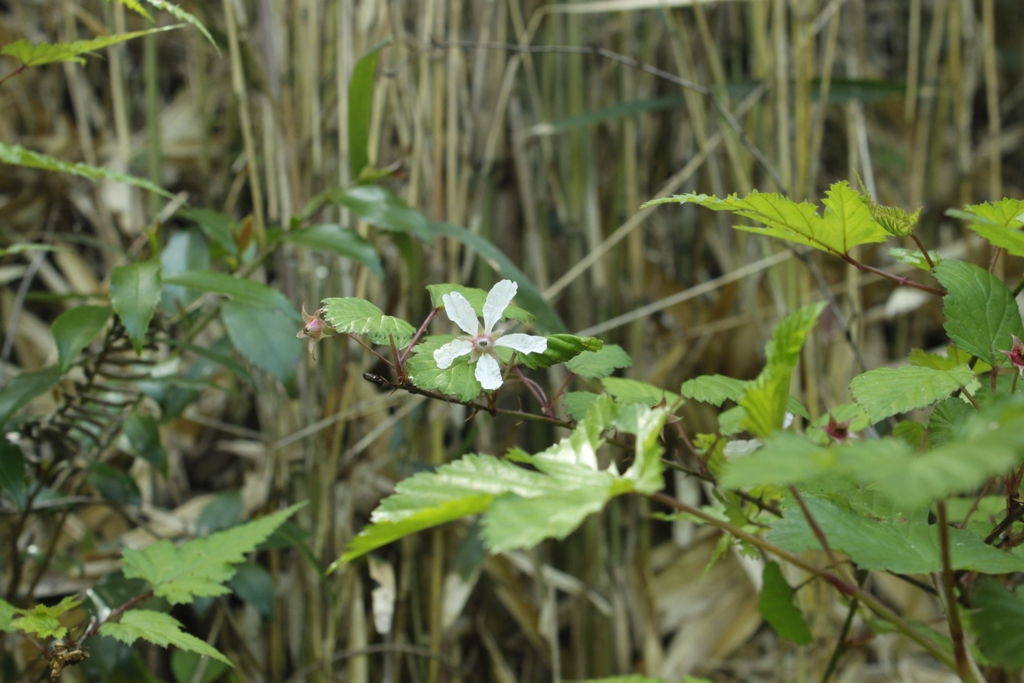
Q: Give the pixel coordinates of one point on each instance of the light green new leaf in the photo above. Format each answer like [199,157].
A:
[340,240]
[241,290]
[714,389]
[360,108]
[600,363]
[888,541]
[358,316]
[42,620]
[18,391]
[159,628]
[848,215]
[7,613]
[201,566]
[998,222]
[47,53]
[476,298]
[778,606]
[980,310]
[457,380]
[561,348]
[382,208]
[134,6]
[998,622]
[634,391]
[265,337]
[134,293]
[914,257]
[182,15]
[16,155]
[75,328]
[953,358]
[887,391]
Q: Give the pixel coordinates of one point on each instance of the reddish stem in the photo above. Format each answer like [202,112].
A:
[562,388]
[13,73]
[419,333]
[891,276]
[924,251]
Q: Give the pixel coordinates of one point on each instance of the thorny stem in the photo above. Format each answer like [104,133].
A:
[889,276]
[819,534]
[956,631]
[416,337]
[924,251]
[843,587]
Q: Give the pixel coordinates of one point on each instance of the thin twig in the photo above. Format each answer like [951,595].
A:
[819,534]
[956,630]
[13,73]
[924,251]
[419,333]
[844,633]
[889,276]
[710,478]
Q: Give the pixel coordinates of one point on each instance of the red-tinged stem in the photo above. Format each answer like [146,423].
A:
[970,398]
[891,276]
[398,359]
[13,73]
[360,342]
[419,333]
[116,613]
[537,392]
[964,668]
[924,251]
[562,388]
[819,534]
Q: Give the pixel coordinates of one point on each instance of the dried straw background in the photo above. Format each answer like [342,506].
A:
[498,141]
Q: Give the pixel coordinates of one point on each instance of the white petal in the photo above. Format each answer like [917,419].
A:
[460,312]
[498,300]
[523,343]
[446,355]
[488,373]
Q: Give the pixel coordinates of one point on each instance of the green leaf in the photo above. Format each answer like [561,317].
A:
[201,566]
[134,293]
[382,208]
[953,358]
[887,391]
[42,620]
[851,412]
[16,155]
[946,420]
[222,359]
[185,250]
[998,222]
[779,608]
[914,257]
[358,316]
[113,484]
[360,109]
[730,421]
[75,328]
[786,458]
[264,337]
[548,321]
[342,241]
[633,391]
[252,583]
[577,403]
[600,363]
[882,538]
[913,433]
[476,298]
[561,348]
[458,380]
[7,613]
[998,622]
[897,222]
[12,473]
[141,437]
[18,391]
[159,628]
[241,290]
[46,53]
[136,7]
[980,310]
[715,389]
[217,227]
[182,15]
[846,224]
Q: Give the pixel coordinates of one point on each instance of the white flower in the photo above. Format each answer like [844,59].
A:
[480,342]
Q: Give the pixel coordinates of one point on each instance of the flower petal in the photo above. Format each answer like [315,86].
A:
[461,312]
[523,343]
[488,373]
[446,355]
[498,300]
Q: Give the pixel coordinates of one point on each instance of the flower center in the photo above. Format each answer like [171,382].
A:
[483,343]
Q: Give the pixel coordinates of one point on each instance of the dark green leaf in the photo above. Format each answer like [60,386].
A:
[141,438]
[222,359]
[778,606]
[113,484]
[561,347]
[999,623]
[186,250]
[12,473]
[252,584]
[382,208]
[134,293]
[184,665]
[217,227]
[265,337]
[946,419]
[75,328]
[600,363]
[223,512]
[18,391]
[241,290]
[360,108]
[333,237]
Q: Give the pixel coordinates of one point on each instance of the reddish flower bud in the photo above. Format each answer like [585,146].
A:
[314,329]
[1016,354]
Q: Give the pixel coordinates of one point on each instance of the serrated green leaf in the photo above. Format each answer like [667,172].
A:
[946,420]
[577,403]
[548,321]
[730,421]
[16,155]
[20,390]
[42,620]
[476,298]
[182,15]
[241,290]
[263,336]
[980,310]
[778,606]
[340,240]
[998,622]
[714,389]
[47,53]
[913,433]
[458,380]
[888,540]
[998,222]
[847,222]
[914,257]
[895,221]
[134,293]
[786,458]
[633,391]
[886,392]
[600,363]
[358,316]
[12,473]
[953,358]
[382,208]
[136,7]
[140,437]
[360,108]
[201,566]
[159,628]
[561,348]
[75,328]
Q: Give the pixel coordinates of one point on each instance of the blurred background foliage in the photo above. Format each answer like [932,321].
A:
[547,152]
